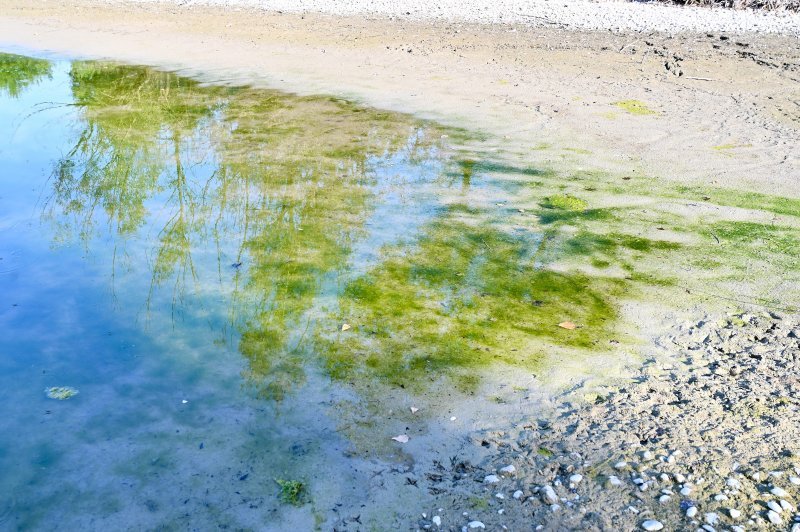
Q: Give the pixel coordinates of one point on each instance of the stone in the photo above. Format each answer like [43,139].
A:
[491,479]
[549,495]
[652,524]
[575,479]
[733,483]
[712,518]
[664,499]
[475,524]
[779,492]
[774,518]
[620,465]
[517,494]
[734,513]
[775,507]
[508,470]
[719,497]
[680,479]
[686,490]
[437,520]
[614,481]
[691,512]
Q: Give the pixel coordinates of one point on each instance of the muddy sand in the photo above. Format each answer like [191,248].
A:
[710,422]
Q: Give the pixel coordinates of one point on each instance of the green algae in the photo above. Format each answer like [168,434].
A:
[18,72]
[292,492]
[635,107]
[566,202]
[61,393]
[466,295]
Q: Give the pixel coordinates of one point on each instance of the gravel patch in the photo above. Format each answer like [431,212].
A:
[580,14]
[711,442]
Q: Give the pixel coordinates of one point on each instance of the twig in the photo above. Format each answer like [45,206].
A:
[698,79]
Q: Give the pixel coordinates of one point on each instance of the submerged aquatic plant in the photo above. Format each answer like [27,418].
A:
[61,393]
[292,491]
[566,202]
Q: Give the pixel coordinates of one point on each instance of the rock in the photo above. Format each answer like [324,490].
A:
[614,481]
[796,527]
[795,480]
[508,470]
[555,507]
[549,495]
[680,479]
[517,494]
[491,479]
[691,512]
[647,455]
[779,492]
[733,483]
[686,490]
[775,507]
[734,513]
[476,524]
[437,520]
[719,497]
[576,479]
[712,518]
[620,465]
[737,528]
[652,524]
[500,496]
[786,505]
[664,499]
[774,518]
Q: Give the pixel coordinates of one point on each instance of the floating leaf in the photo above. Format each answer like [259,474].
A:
[567,325]
[402,438]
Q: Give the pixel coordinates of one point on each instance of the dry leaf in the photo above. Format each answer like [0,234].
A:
[414,409]
[401,438]
[567,325]
[345,326]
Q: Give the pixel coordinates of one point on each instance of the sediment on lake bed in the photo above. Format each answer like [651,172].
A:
[712,439]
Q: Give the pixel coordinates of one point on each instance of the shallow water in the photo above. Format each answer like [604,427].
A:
[248,286]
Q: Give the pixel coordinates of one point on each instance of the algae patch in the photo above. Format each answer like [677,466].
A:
[292,492]
[61,393]
[634,107]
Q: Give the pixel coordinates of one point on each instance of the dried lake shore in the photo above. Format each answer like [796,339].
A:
[705,433]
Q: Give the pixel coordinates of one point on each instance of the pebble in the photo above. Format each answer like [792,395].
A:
[796,527]
[712,518]
[691,512]
[719,497]
[499,495]
[575,479]
[795,480]
[491,479]
[614,481]
[620,465]
[517,494]
[476,524]
[555,507]
[647,455]
[686,490]
[774,518]
[733,483]
[549,495]
[680,479]
[664,498]
[437,520]
[734,513]
[775,507]
[786,505]
[737,528]
[652,524]
[508,470]
[779,492]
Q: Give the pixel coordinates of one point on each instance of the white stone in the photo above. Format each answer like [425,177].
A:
[652,524]
[664,498]
[647,455]
[491,479]
[737,528]
[620,465]
[680,479]
[575,479]
[733,483]
[614,481]
[712,518]
[719,497]
[555,507]
[499,495]
[549,495]
[437,520]
[795,480]
[774,518]
[476,524]
[779,492]
[508,470]
[691,512]
[686,490]
[786,505]
[517,494]
[775,507]
[734,513]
